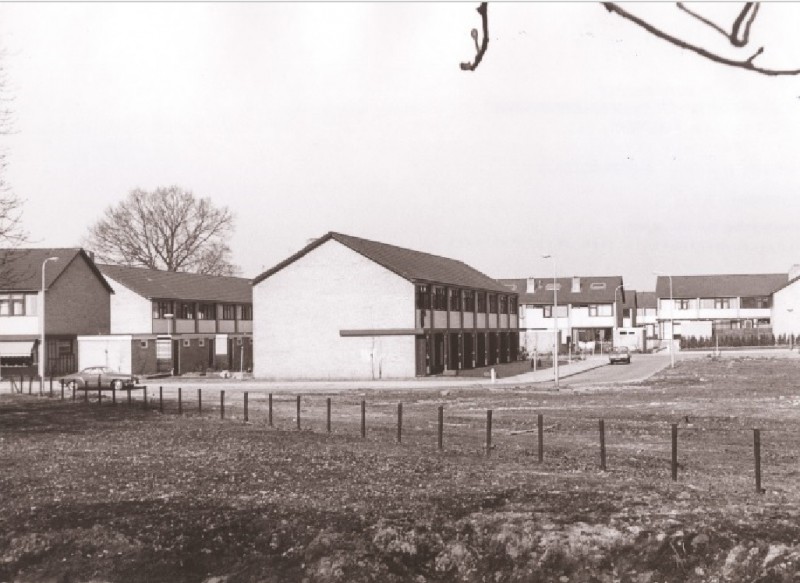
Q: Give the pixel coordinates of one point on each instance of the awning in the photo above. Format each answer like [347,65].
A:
[16,348]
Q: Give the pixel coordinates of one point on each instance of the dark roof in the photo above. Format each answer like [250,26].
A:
[715,286]
[21,269]
[602,292]
[415,266]
[646,300]
[157,284]
[629,300]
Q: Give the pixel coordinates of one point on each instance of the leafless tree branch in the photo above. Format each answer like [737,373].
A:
[483,10]
[749,13]
[11,232]
[167,228]
[747,64]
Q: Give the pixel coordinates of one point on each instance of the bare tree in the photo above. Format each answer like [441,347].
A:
[735,31]
[167,228]
[11,232]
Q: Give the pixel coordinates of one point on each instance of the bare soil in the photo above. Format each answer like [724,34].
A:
[94,492]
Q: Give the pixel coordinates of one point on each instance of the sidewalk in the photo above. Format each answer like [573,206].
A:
[539,376]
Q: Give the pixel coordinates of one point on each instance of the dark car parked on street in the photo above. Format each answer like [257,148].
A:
[619,354]
[102,377]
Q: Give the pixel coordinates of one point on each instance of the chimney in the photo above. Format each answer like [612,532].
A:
[530,285]
[794,271]
[576,285]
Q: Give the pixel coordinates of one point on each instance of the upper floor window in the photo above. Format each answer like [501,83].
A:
[161,309]
[247,312]
[759,303]
[492,303]
[186,311]
[552,286]
[547,311]
[626,313]
[600,310]
[455,300]
[682,304]
[504,304]
[597,285]
[512,305]
[13,305]
[469,300]
[439,298]
[228,311]
[481,300]
[423,297]
[206,312]
[722,303]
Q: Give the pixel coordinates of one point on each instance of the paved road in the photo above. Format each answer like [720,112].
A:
[642,366]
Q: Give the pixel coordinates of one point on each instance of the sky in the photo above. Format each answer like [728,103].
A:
[580,135]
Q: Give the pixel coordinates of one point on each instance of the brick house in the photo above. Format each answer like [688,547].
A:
[77,303]
[170,322]
[349,308]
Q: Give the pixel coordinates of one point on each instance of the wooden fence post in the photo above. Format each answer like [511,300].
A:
[129,396]
[757,453]
[99,396]
[161,398]
[144,397]
[269,414]
[51,386]
[602,445]
[246,419]
[113,394]
[440,431]
[180,400]
[298,412]
[488,432]
[62,389]
[540,432]
[674,452]
[222,404]
[363,418]
[399,423]
[328,404]
[200,401]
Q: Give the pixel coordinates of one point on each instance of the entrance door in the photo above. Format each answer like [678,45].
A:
[176,357]
[437,366]
[480,358]
[421,351]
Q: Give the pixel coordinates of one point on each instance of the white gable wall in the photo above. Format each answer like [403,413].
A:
[786,310]
[299,311]
[130,312]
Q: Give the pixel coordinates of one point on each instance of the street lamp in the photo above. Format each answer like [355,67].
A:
[555,319]
[616,314]
[671,321]
[41,344]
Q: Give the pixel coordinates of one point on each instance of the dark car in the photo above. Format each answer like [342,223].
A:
[619,354]
[99,377]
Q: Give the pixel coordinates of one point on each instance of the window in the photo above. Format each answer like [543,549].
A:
[142,343]
[186,311]
[423,297]
[547,311]
[626,313]
[439,298]
[206,312]
[228,311]
[187,342]
[504,304]
[601,310]
[758,303]
[722,303]
[161,309]
[481,299]
[469,300]
[682,304]
[512,305]
[13,305]
[201,341]
[597,285]
[492,303]
[455,300]
[551,286]
[247,312]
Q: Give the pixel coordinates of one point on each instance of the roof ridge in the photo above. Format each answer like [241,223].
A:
[334,234]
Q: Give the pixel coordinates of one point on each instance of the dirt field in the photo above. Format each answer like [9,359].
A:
[117,493]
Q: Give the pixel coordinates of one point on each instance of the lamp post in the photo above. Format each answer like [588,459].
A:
[671,321]
[41,344]
[616,314]
[169,317]
[555,319]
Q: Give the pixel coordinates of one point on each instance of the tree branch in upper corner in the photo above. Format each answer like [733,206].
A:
[747,64]
[481,49]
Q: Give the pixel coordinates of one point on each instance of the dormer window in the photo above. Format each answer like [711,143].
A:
[551,286]
[597,285]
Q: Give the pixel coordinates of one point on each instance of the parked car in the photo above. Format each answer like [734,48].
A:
[99,376]
[619,354]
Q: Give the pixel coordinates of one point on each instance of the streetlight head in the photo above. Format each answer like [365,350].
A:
[546,256]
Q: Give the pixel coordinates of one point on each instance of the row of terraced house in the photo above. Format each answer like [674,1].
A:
[344,307]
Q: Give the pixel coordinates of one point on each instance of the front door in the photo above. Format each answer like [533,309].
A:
[176,357]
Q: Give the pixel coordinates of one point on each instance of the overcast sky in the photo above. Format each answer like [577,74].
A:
[580,135]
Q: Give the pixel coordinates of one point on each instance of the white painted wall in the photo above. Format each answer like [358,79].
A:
[786,310]
[112,351]
[19,325]
[130,312]
[299,311]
